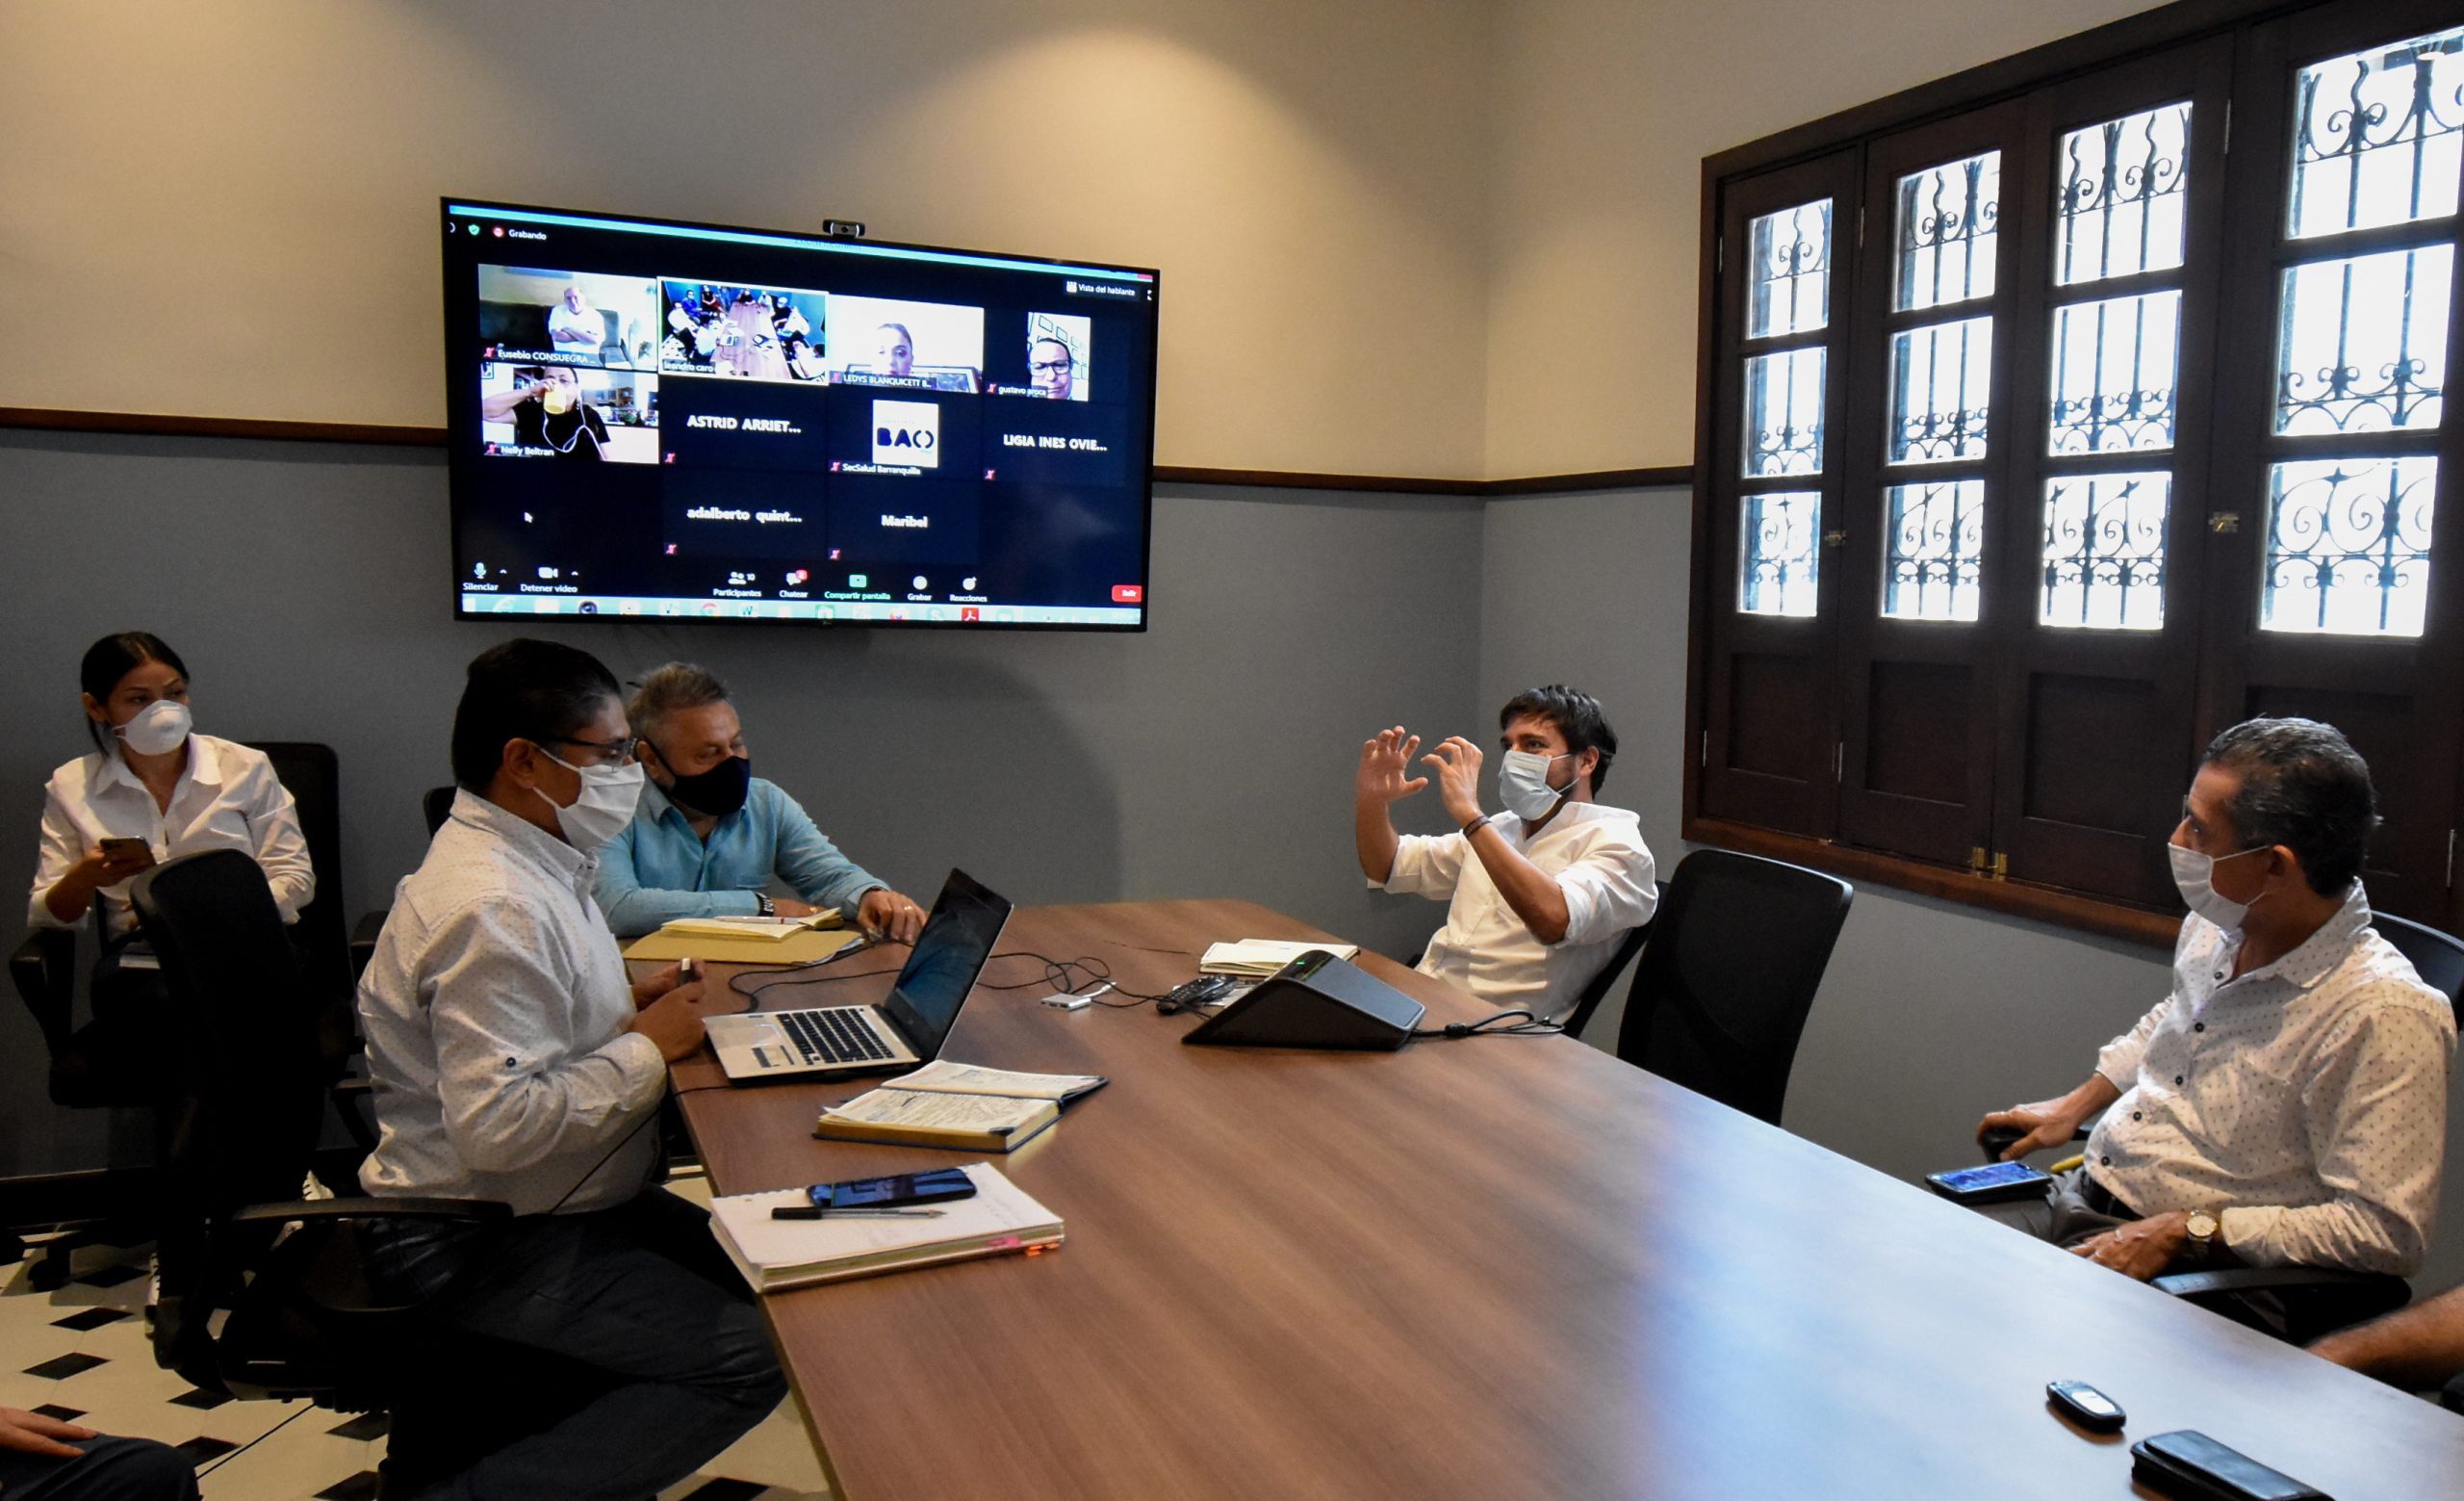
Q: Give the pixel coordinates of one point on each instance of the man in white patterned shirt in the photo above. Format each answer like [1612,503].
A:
[1538,896]
[2286,1104]
[515,1061]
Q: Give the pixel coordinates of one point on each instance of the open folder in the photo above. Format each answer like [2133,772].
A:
[776,1254]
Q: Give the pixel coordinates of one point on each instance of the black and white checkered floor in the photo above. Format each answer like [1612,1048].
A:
[80,1353]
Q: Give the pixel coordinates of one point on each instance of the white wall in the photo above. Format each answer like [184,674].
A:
[228,209]
[1604,110]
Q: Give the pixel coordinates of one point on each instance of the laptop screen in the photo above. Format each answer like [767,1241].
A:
[948,955]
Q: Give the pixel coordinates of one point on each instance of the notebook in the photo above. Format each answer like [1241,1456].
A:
[963,1107]
[1000,1220]
[1256,958]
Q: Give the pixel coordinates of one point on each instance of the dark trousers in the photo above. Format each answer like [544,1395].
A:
[658,1359]
[111,1469]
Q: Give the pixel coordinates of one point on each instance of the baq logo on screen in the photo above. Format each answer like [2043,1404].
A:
[907,433]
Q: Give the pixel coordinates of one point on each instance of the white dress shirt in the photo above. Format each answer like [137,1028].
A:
[496,1010]
[2306,1101]
[1601,867]
[227,798]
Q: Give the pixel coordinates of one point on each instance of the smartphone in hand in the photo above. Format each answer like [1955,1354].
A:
[121,851]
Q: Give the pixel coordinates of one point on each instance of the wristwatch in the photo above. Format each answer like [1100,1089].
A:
[2202,1227]
[1476,826]
[769,909]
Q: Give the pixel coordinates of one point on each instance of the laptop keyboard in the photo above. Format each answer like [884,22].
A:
[841,1034]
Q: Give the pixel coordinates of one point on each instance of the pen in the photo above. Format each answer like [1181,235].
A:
[815,1211]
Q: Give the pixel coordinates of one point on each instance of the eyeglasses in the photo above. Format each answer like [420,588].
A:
[606,753]
[1047,367]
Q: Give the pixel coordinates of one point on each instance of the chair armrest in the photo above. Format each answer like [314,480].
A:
[45,968]
[1998,1141]
[478,1211]
[2253,1278]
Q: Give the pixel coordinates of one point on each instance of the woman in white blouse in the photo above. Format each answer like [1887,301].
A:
[152,790]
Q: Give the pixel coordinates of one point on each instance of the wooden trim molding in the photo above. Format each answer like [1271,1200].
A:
[2013,898]
[150,425]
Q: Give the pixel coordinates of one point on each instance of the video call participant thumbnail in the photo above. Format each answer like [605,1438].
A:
[564,412]
[924,346]
[581,318]
[1058,345]
[757,333]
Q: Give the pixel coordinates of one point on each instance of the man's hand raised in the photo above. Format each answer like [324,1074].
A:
[1458,776]
[1385,760]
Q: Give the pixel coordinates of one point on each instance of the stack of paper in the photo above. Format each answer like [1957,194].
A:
[957,1105]
[763,930]
[1256,958]
[776,1254]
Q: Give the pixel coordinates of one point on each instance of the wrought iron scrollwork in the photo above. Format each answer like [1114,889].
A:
[2104,551]
[2374,136]
[2349,546]
[1934,562]
[1779,567]
[1948,218]
[1790,270]
[2119,200]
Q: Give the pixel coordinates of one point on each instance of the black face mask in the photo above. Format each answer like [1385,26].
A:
[718,792]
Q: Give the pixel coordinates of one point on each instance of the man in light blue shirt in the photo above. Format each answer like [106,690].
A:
[711,834]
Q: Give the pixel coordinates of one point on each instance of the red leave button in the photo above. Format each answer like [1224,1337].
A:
[1128,593]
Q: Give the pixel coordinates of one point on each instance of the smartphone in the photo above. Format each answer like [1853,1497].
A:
[1991,1184]
[127,849]
[883,1193]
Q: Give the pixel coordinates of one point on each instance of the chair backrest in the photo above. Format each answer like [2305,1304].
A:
[1602,983]
[436,804]
[313,777]
[2438,957]
[247,1080]
[1737,950]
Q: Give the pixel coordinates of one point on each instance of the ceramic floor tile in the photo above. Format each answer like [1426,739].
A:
[18,1390]
[244,1422]
[131,1378]
[289,1465]
[775,1452]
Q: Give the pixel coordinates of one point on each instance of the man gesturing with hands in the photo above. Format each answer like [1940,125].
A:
[1537,894]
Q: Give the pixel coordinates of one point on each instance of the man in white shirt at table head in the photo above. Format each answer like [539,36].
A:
[1537,894]
[2286,1103]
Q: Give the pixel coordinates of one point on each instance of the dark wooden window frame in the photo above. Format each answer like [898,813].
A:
[2217,669]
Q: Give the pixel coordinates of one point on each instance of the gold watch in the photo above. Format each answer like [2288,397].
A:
[2202,1227]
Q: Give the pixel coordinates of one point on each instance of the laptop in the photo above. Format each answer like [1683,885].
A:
[909,1027]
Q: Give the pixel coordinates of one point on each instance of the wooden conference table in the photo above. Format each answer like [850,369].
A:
[1500,1267]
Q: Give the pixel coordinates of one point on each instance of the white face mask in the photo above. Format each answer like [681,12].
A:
[609,796]
[158,728]
[2192,872]
[1523,784]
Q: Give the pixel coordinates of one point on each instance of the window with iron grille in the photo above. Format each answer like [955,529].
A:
[2051,427]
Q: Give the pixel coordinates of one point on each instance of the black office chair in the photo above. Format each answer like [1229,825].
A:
[311,1312]
[1593,994]
[436,805]
[1737,949]
[310,1322]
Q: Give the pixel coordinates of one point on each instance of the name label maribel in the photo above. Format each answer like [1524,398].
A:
[909,523]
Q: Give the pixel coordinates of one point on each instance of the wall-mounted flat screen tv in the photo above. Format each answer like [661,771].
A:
[650,418]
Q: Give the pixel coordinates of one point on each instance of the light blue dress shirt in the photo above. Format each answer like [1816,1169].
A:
[658,869]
